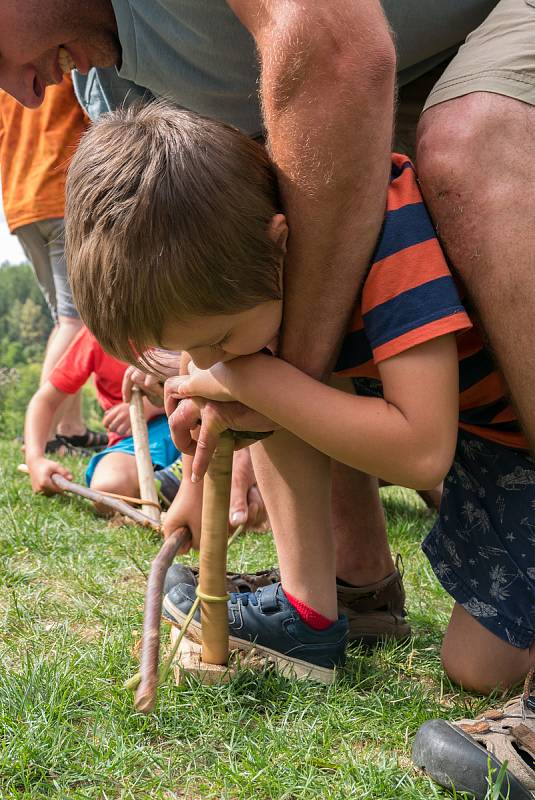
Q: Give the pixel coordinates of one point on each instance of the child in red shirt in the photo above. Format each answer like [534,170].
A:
[113,469]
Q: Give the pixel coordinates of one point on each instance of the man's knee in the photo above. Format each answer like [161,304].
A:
[474,141]
[452,140]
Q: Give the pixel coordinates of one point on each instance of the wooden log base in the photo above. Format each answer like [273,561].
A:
[188,662]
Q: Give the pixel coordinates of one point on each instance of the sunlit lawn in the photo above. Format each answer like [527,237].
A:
[71,591]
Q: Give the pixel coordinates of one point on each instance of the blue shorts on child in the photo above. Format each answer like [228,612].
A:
[162,450]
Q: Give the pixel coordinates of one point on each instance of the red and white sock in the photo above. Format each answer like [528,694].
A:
[310,617]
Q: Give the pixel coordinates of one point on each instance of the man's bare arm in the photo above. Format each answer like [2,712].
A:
[328,74]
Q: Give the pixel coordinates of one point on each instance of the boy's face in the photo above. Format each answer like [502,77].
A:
[222,337]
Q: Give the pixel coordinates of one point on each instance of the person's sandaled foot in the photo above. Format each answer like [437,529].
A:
[61,447]
[375,612]
[456,754]
[90,440]
[266,622]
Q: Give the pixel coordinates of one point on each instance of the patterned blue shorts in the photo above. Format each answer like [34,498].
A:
[482,547]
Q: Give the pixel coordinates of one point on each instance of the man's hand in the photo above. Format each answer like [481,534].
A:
[117,419]
[246,503]
[41,471]
[186,510]
[149,384]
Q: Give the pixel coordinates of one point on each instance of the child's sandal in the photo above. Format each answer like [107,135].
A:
[90,440]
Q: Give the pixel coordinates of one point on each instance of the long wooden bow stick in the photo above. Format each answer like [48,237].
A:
[146,680]
[102,499]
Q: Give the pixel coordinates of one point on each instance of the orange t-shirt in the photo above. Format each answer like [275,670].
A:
[35,149]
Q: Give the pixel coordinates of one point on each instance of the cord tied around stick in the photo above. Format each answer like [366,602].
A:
[209,598]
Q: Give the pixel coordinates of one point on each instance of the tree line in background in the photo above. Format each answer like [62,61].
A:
[25,324]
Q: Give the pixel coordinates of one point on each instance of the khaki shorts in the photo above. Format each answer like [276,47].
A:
[497,57]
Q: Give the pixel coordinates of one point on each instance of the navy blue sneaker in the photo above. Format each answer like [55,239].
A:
[266,621]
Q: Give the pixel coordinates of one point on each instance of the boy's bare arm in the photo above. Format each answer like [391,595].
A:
[407,438]
[327,84]
[39,417]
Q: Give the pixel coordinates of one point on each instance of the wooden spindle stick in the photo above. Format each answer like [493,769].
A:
[145,470]
[213,552]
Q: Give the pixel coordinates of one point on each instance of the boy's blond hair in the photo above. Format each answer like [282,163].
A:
[167,216]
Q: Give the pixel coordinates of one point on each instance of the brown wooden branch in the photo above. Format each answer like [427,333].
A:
[150,646]
[145,470]
[97,497]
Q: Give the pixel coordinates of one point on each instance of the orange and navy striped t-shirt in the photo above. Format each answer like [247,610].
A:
[409,297]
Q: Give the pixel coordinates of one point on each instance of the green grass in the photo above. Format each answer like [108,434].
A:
[71,593]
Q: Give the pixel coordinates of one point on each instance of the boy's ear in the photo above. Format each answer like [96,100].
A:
[278,231]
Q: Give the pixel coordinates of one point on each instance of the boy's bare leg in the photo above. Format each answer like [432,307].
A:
[477,659]
[116,472]
[295,481]
[483,201]
[362,552]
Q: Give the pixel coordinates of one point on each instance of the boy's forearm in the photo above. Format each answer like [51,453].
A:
[328,73]
[39,418]
[368,434]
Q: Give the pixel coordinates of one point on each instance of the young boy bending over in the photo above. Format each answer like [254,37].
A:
[113,469]
[176,239]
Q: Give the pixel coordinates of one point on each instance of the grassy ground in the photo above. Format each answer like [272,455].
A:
[71,591]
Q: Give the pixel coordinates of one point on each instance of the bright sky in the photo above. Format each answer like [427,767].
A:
[10,249]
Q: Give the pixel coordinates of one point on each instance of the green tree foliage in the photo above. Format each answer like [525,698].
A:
[25,325]
[25,321]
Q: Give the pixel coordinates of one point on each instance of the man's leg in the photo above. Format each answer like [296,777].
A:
[70,422]
[362,552]
[369,587]
[475,148]
[43,244]
[473,158]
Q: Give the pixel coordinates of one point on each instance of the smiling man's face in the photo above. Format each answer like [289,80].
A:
[32,33]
